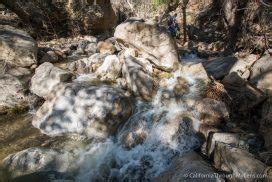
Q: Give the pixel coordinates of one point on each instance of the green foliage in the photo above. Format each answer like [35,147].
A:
[157,3]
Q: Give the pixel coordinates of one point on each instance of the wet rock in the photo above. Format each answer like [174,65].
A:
[83,109]
[261,74]
[199,74]
[17,47]
[240,163]
[106,47]
[212,112]
[196,71]
[34,160]
[138,80]
[111,68]
[121,83]
[189,168]
[12,95]
[174,129]
[181,86]
[152,40]
[220,67]
[46,77]
[131,139]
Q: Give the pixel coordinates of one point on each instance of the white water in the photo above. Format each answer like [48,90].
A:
[146,145]
[154,136]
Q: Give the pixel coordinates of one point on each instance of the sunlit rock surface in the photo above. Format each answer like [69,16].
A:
[46,77]
[86,110]
[151,39]
[35,160]
[12,95]
[111,68]
[138,79]
[17,47]
[261,74]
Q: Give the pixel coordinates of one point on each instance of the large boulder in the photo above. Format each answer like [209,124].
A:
[228,138]
[137,78]
[241,68]
[220,67]
[199,75]
[17,47]
[98,16]
[152,40]
[261,74]
[191,168]
[240,163]
[243,94]
[84,110]
[34,160]
[12,95]
[46,77]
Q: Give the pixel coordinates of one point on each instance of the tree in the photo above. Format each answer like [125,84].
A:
[184,4]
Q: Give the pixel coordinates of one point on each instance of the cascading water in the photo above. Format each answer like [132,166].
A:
[147,143]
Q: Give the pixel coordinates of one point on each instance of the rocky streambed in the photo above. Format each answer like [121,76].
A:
[128,108]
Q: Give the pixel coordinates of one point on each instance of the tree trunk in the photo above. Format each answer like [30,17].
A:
[232,15]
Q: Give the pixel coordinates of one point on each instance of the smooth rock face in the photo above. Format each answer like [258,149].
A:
[111,68]
[138,80]
[240,68]
[34,160]
[243,94]
[261,74]
[187,168]
[152,40]
[85,110]
[228,138]
[198,72]
[12,96]
[220,67]
[238,161]
[17,47]
[46,77]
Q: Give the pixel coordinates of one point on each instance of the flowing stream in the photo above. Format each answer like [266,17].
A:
[145,146]
[149,141]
